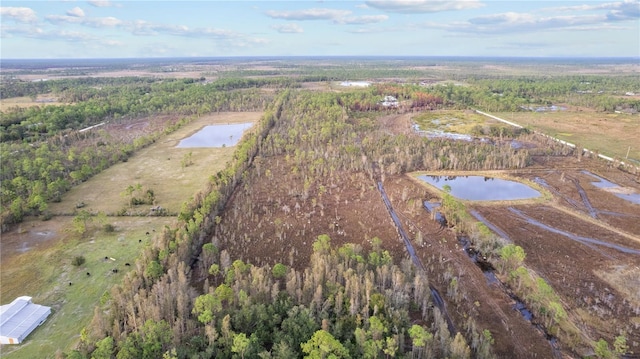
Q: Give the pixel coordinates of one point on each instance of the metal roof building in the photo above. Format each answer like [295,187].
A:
[19,318]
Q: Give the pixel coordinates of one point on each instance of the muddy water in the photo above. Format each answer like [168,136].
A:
[478,188]
[479,260]
[589,242]
[488,271]
[216,136]
[576,204]
[437,215]
[614,188]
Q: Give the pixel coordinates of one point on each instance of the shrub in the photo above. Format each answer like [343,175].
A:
[78,261]
[279,270]
[47,215]
[109,228]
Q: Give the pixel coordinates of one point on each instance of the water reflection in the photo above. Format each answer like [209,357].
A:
[216,136]
[480,188]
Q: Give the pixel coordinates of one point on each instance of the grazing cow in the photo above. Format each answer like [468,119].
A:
[139,240]
[115,270]
[127,264]
[106,258]
[147,233]
[70,283]
[88,274]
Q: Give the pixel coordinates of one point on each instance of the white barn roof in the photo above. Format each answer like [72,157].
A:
[19,318]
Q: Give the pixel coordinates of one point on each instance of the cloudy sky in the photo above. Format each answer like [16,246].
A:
[119,29]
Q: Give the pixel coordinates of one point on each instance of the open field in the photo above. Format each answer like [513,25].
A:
[159,168]
[45,272]
[463,122]
[36,255]
[612,134]
[22,102]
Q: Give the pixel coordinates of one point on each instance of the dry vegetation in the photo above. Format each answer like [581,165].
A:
[611,134]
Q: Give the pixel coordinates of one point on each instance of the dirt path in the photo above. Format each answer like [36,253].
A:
[437,299]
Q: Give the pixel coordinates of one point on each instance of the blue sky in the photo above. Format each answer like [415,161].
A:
[120,29]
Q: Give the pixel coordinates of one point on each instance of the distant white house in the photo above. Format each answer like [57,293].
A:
[19,318]
[355,83]
[389,101]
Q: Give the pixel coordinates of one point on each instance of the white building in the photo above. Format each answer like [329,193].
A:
[355,83]
[19,318]
[389,101]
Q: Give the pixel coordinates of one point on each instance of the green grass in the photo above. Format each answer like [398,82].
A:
[44,271]
[50,271]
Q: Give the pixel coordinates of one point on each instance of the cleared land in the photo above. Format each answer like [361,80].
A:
[462,122]
[37,255]
[267,219]
[591,277]
[611,133]
[23,102]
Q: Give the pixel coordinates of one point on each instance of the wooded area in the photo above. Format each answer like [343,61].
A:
[195,292]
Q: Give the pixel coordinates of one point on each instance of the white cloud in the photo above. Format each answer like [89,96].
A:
[618,11]
[96,22]
[309,14]
[35,32]
[20,14]
[581,18]
[361,20]
[101,3]
[76,11]
[422,6]
[340,17]
[145,28]
[628,7]
[113,43]
[288,28]
[142,27]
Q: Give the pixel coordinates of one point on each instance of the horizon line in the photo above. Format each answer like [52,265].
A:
[316,56]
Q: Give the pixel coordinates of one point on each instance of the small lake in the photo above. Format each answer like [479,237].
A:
[479,188]
[216,136]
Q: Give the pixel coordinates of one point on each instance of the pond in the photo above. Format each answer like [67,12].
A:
[479,188]
[216,136]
